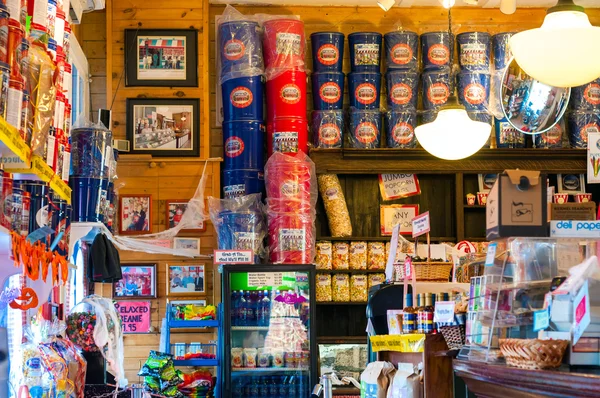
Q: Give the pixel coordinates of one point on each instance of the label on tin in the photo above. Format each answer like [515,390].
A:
[290,188]
[14,9]
[366,54]
[3,42]
[587,129]
[328,54]
[438,54]
[234,49]
[14,104]
[401,54]
[366,132]
[246,241]
[288,43]
[234,146]
[401,94]
[329,134]
[591,94]
[51,151]
[290,94]
[438,93]
[241,97]
[25,215]
[42,217]
[508,134]
[553,136]
[330,92]
[40,12]
[403,133]
[473,54]
[475,94]
[285,141]
[292,240]
[366,93]
[66,166]
[234,191]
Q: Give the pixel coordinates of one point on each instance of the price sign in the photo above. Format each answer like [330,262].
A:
[258,279]
[541,320]
[135,316]
[233,257]
[444,311]
[581,312]
[421,225]
[491,254]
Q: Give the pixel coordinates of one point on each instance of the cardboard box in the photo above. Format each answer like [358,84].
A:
[573,211]
[517,205]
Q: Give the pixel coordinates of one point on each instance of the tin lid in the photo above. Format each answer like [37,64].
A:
[3,10]
[14,24]
[37,26]
[4,66]
[60,14]
[67,26]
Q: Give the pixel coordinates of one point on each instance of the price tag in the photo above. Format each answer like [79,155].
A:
[421,225]
[259,279]
[581,312]
[491,255]
[444,311]
[408,268]
[233,257]
[541,320]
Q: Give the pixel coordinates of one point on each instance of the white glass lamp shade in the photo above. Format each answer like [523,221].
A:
[453,135]
[561,52]
[386,4]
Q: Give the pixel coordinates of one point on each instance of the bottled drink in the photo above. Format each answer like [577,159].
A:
[420,313]
[302,387]
[238,387]
[263,387]
[267,307]
[252,300]
[283,391]
[264,309]
[273,387]
[235,302]
[243,309]
[254,388]
[409,316]
[292,387]
[428,314]
[258,306]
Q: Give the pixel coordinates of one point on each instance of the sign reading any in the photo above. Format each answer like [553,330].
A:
[135,316]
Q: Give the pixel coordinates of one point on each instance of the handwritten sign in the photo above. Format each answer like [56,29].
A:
[396,186]
[444,311]
[541,320]
[491,254]
[581,312]
[390,215]
[421,225]
[408,268]
[233,257]
[258,279]
[135,316]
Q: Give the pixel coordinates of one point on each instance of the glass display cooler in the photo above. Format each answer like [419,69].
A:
[513,286]
[269,336]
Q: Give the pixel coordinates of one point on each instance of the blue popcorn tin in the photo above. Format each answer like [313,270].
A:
[243,98]
[238,183]
[365,128]
[586,97]
[502,54]
[400,129]
[402,89]
[365,51]
[437,50]
[327,51]
[507,136]
[474,51]
[328,128]
[240,47]
[580,124]
[364,90]
[437,89]
[474,90]
[401,50]
[551,138]
[243,144]
[328,90]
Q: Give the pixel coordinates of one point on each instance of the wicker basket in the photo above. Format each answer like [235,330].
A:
[427,271]
[533,353]
[454,336]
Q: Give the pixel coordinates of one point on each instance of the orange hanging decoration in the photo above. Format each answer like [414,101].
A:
[28,299]
[64,268]
[46,260]
[55,271]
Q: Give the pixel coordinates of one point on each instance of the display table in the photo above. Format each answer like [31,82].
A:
[499,381]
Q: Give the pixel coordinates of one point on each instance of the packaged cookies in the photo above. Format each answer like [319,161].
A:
[376,279]
[358,255]
[324,255]
[323,287]
[376,255]
[358,288]
[340,286]
[335,205]
[340,255]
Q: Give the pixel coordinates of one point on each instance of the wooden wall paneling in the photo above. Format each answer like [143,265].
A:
[459,208]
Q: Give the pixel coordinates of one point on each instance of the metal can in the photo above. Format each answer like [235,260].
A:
[51,17]
[7,185]
[25,129]
[17,209]
[67,41]
[24,228]
[15,102]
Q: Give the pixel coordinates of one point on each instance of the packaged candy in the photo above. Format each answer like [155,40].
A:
[323,287]
[335,205]
[152,384]
[341,287]
[376,279]
[278,359]
[341,255]
[324,254]
[358,288]
[376,255]
[237,358]
[250,357]
[156,363]
[358,255]
[264,359]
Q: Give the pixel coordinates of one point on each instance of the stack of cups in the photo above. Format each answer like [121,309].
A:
[287,127]
[243,121]
[364,88]
[437,49]
[473,81]
[402,78]
[584,116]
[327,89]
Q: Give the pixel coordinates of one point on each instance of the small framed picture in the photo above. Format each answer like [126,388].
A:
[185,279]
[139,281]
[161,58]
[486,181]
[135,213]
[175,210]
[571,183]
[390,215]
[190,245]
[164,127]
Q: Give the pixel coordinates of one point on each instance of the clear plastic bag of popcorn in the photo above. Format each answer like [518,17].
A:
[323,287]
[358,255]
[340,286]
[376,279]
[335,205]
[358,288]
[324,255]
[376,255]
[341,251]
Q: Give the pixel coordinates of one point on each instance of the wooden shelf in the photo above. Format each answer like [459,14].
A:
[474,207]
[388,160]
[382,238]
[350,271]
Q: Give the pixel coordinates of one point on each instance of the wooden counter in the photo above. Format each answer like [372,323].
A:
[499,381]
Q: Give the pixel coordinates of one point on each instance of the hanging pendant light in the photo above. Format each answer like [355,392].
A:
[561,52]
[453,134]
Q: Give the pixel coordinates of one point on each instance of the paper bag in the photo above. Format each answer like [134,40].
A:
[376,379]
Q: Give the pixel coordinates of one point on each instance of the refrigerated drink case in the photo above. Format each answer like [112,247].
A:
[269,337]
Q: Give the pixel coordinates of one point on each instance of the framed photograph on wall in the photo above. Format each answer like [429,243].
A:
[164,127]
[390,215]
[175,210]
[571,183]
[135,214]
[191,245]
[139,281]
[185,279]
[161,57]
